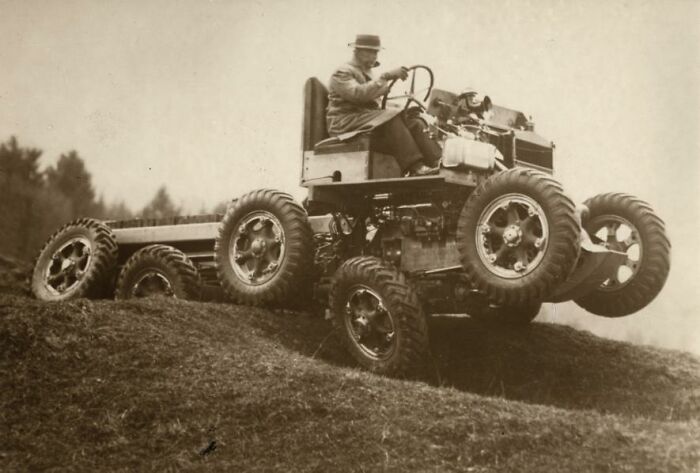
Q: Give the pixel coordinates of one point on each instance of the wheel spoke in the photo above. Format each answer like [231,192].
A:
[632,239]
[258,267]
[497,230]
[611,228]
[82,261]
[632,264]
[53,278]
[531,224]
[512,214]
[501,252]
[528,239]
[243,256]
[522,255]
[522,260]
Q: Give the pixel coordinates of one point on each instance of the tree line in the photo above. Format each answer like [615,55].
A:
[34,203]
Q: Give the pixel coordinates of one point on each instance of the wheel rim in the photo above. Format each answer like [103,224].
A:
[369,323]
[68,265]
[512,235]
[618,234]
[257,248]
[152,283]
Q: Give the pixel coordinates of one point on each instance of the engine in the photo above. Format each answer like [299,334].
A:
[418,237]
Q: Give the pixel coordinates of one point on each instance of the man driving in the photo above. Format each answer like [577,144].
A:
[353,108]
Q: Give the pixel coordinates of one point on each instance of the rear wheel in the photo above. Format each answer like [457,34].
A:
[159,270]
[78,260]
[379,317]
[263,252]
[625,223]
[518,237]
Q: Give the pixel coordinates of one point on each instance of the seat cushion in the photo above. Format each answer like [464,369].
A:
[334,145]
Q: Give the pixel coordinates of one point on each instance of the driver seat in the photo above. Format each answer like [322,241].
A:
[315,133]
[352,160]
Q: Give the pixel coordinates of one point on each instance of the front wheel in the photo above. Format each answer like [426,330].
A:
[518,237]
[624,223]
[379,318]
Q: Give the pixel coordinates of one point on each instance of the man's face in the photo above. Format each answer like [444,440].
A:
[366,57]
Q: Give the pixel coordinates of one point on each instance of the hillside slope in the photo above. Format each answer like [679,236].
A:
[169,385]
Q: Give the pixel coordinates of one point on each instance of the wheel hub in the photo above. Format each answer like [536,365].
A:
[68,265]
[370,324]
[512,234]
[257,248]
[618,234]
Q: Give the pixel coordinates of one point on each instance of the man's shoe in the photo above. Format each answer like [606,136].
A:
[422,170]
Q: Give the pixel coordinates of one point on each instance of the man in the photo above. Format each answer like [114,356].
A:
[353,108]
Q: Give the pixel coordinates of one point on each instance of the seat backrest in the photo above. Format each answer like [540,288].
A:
[315,103]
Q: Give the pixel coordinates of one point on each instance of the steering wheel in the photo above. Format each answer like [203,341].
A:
[412,93]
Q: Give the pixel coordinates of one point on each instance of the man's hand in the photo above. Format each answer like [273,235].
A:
[398,73]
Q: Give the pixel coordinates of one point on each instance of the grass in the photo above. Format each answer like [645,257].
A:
[167,385]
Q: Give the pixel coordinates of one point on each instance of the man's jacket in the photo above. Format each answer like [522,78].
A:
[353,102]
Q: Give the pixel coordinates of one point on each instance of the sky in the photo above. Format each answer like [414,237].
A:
[206,97]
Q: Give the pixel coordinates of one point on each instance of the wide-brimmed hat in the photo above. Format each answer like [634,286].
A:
[366,41]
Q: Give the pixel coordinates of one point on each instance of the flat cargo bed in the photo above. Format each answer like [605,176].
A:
[169,229]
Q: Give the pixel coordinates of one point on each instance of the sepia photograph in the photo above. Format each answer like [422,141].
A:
[332,236]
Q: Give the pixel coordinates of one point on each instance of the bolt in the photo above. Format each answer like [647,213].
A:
[519,266]
[492,258]
[531,212]
[539,242]
[485,228]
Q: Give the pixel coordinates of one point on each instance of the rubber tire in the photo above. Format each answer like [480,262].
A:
[562,250]
[294,272]
[655,263]
[98,275]
[170,262]
[411,356]
[518,316]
